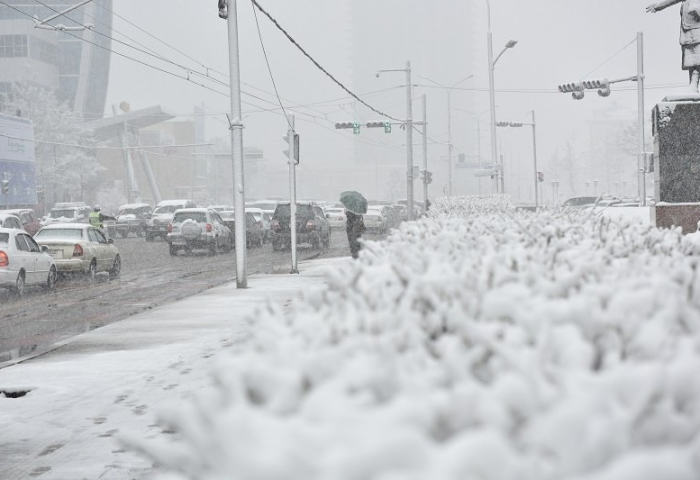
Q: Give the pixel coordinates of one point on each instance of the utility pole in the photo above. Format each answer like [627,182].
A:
[292,191]
[236,127]
[425,155]
[641,156]
[534,157]
[409,140]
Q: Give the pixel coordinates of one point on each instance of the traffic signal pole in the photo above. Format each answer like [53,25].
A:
[534,158]
[641,156]
[236,127]
[292,194]
[409,141]
[425,155]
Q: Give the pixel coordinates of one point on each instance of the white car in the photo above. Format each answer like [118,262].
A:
[157,225]
[67,213]
[336,217]
[8,220]
[198,228]
[375,221]
[80,248]
[23,262]
[264,220]
[267,206]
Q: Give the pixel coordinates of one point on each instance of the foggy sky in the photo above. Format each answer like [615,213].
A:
[559,41]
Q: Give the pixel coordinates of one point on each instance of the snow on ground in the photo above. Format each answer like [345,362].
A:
[480,343]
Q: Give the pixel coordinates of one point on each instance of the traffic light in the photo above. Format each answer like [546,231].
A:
[428,177]
[296,147]
[5,187]
[355,128]
[603,86]
[509,124]
[387,127]
[540,176]
[576,89]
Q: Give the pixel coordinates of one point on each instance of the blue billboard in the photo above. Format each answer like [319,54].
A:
[17,161]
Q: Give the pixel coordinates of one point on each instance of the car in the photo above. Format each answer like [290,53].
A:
[162,216]
[220,208]
[374,221]
[253,231]
[8,220]
[263,220]
[23,262]
[336,217]
[312,226]
[401,212]
[74,212]
[132,218]
[80,249]
[580,202]
[267,206]
[29,220]
[198,228]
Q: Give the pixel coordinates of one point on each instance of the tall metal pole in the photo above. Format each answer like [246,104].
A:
[492,94]
[409,141]
[534,156]
[236,128]
[449,142]
[641,157]
[292,194]
[425,153]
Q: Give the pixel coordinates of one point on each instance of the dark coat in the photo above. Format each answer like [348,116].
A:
[355,227]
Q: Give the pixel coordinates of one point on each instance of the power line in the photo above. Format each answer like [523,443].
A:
[301,49]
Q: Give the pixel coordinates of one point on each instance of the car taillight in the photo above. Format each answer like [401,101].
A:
[310,225]
[209,228]
[4,260]
[170,228]
[77,251]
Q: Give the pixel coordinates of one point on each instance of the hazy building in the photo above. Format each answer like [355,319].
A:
[73,64]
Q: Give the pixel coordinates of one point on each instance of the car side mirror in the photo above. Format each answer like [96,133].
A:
[44,248]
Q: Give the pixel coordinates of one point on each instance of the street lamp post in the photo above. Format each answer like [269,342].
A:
[409,135]
[450,146]
[492,90]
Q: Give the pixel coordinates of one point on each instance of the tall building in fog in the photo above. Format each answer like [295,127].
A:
[73,64]
[438,39]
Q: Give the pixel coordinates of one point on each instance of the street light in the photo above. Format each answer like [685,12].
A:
[449,125]
[534,147]
[492,90]
[409,135]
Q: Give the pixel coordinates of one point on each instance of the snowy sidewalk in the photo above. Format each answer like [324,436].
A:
[114,379]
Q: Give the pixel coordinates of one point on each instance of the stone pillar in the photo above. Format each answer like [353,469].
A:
[676,128]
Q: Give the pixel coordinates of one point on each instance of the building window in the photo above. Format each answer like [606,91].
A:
[42,50]
[13,46]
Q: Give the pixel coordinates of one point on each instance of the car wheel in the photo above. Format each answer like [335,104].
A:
[51,280]
[173,251]
[20,284]
[116,268]
[92,271]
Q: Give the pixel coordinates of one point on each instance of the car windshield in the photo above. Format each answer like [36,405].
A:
[65,213]
[127,211]
[60,233]
[4,238]
[199,217]
[282,211]
[166,209]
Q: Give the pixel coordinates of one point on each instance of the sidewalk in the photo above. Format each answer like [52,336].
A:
[115,379]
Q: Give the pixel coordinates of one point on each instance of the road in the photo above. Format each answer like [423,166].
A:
[150,277]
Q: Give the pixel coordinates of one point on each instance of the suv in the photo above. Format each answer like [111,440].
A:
[132,217]
[157,225]
[26,215]
[312,226]
[198,228]
[253,230]
[67,213]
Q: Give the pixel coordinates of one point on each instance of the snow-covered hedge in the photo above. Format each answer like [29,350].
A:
[480,343]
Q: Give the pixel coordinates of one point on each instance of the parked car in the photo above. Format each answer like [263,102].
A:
[336,217]
[579,202]
[76,212]
[23,262]
[220,208]
[162,216]
[374,221]
[8,220]
[29,220]
[312,226]
[263,220]
[201,228]
[80,249]
[267,206]
[253,231]
[132,218]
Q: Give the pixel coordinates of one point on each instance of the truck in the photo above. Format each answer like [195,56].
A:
[17,163]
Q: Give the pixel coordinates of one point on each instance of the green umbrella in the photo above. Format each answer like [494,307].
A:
[354,202]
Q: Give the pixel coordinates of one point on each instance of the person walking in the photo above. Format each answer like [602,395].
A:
[355,227]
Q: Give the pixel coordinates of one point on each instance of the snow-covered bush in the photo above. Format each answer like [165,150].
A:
[480,343]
